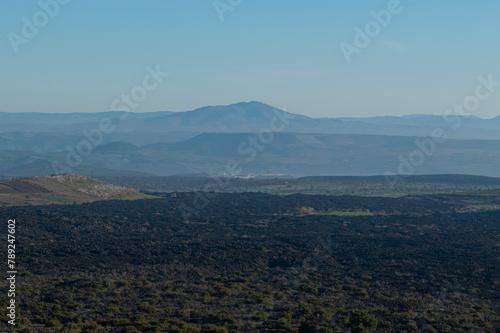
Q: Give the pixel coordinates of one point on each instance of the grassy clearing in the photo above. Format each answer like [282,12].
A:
[134,196]
[54,199]
[371,189]
[70,200]
[482,205]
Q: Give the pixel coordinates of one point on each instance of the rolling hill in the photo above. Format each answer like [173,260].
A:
[61,189]
[293,154]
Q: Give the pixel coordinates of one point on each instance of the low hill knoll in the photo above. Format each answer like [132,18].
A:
[61,189]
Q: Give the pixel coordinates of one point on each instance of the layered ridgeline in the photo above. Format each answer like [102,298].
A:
[291,154]
[145,128]
[206,139]
[61,189]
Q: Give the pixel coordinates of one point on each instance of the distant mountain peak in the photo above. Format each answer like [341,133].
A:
[251,103]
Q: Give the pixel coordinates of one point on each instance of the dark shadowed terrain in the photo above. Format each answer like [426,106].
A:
[252,262]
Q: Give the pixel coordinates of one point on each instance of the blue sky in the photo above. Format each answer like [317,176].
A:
[284,53]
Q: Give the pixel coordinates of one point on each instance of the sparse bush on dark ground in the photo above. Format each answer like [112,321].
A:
[254,262]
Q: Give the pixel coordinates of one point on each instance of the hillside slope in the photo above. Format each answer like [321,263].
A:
[61,189]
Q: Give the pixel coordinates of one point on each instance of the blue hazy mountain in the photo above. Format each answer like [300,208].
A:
[205,139]
[151,127]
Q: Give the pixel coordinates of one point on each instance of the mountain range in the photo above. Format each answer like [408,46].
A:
[206,139]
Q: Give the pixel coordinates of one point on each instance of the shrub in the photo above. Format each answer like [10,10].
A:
[360,321]
[146,307]
[210,328]
[54,323]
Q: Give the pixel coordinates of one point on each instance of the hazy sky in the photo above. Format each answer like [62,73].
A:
[284,53]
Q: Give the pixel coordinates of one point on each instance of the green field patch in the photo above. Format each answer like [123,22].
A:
[482,205]
[486,206]
[134,196]
[357,188]
[53,199]
[494,191]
